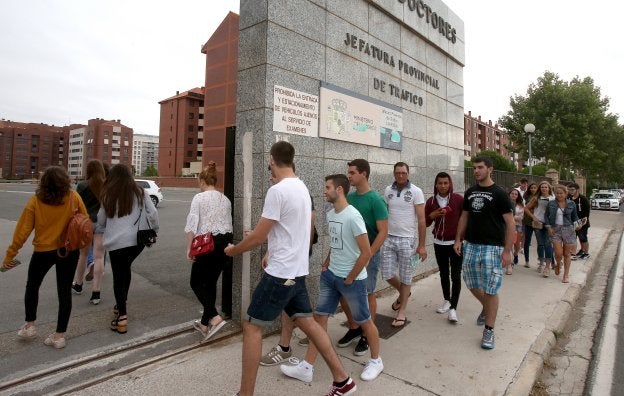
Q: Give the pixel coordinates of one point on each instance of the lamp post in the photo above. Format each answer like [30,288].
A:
[529,129]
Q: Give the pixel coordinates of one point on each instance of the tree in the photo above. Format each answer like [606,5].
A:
[573,128]
[150,170]
[500,163]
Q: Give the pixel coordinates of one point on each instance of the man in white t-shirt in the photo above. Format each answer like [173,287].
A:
[406,225]
[282,286]
[344,276]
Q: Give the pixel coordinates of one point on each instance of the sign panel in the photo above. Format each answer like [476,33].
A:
[355,118]
[295,112]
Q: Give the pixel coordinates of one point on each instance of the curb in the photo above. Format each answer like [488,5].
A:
[533,363]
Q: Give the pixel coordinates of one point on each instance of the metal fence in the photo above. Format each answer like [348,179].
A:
[503,179]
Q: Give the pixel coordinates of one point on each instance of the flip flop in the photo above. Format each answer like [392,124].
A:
[397,304]
[402,321]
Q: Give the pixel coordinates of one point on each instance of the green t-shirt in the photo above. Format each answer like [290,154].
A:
[372,207]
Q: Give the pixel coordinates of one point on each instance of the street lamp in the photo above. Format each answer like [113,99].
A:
[529,129]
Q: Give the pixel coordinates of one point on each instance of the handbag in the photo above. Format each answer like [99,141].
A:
[536,224]
[202,244]
[145,237]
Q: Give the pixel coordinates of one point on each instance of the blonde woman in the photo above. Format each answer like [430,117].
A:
[210,212]
[559,221]
[536,208]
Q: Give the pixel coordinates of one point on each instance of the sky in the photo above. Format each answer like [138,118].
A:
[67,61]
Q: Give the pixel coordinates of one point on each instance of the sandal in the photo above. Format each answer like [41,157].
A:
[397,304]
[120,324]
[397,320]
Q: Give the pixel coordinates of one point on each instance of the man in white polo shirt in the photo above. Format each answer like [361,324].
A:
[406,224]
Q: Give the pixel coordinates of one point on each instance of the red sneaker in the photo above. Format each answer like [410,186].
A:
[347,389]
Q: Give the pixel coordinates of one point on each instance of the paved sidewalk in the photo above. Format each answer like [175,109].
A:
[430,356]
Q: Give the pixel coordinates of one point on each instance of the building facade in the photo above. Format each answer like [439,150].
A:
[181,133]
[144,153]
[106,140]
[26,149]
[480,135]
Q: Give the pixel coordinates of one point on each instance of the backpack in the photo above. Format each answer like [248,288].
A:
[78,232]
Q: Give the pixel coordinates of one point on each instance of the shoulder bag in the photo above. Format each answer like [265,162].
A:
[202,244]
[145,237]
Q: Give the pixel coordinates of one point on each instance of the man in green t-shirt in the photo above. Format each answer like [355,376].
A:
[373,209]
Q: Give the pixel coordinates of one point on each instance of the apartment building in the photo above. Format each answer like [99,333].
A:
[181,133]
[106,140]
[26,149]
[480,135]
[144,153]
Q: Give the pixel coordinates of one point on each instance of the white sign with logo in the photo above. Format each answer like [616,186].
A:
[295,112]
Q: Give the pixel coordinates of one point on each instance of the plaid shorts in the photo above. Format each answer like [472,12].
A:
[483,267]
[396,258]
[564,234]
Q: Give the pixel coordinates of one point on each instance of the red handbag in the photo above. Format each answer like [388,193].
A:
[202,244]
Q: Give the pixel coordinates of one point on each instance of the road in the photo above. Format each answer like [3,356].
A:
[160,295]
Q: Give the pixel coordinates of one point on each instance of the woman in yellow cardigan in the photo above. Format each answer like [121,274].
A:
[47,212]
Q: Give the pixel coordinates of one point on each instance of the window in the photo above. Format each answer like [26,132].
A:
[190,128]
[190,140]
[191,116]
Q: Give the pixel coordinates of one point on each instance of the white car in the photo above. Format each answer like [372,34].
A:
[605,200]
[152,189]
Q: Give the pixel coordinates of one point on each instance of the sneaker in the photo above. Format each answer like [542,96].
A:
[197,326]
[526,264]
[487,342]
[481,319]
[76,288]
[351,336]
[347,389]
[578,253]
[95,298]
[275,356]
[446,305]
[539,268]
[452,316]
[373,368]
[214,328]
[56,343]
[362,347]
[27,332]
[301,370]
[304,341]
[584,256]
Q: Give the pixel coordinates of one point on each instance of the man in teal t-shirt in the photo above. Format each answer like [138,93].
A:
[373,209]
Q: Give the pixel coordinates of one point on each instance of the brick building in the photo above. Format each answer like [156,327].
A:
[180,142]
[26,149]
[107,140]
[480,135]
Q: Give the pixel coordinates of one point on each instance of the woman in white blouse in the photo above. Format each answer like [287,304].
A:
[210,212]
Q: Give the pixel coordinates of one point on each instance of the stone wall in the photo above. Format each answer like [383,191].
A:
[299,44]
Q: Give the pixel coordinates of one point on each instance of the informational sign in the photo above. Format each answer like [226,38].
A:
[295,112]
[352,117]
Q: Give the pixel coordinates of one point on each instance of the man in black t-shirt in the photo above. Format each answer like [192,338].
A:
[487,225]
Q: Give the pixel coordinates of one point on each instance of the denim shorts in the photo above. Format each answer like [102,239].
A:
[396,258]
[333,287]
[372,269]
[482,267]
[272,296]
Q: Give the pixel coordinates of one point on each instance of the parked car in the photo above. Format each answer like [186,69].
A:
[152,189]
[605,200]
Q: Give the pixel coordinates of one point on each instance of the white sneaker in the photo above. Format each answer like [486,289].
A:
[301,370]
[373,368]
[27,332]
[452,317]
[446,305]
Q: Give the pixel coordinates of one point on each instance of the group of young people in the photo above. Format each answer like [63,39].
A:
[116,206]
[367,233]
[557,216]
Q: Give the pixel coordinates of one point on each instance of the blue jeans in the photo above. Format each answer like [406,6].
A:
[372,269]
[544,246]
[333,287]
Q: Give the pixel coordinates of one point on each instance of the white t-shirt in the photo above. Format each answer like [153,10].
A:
[402,220]
[288,204]
[343,229]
